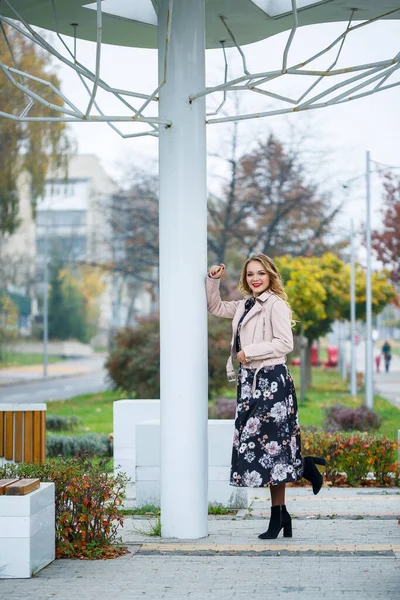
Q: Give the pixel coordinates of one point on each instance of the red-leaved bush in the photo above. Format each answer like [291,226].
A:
[355,454]
[87,500]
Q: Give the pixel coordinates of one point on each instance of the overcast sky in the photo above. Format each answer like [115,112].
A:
[342,133]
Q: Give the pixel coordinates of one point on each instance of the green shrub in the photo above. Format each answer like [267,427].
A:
[91,445]
[87,498]
[355,454]
[134,362]
[59,423]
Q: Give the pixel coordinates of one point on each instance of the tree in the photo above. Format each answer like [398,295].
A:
[386,243]
[270,205]
[89,283]
[30,147]
[132,238]
[8,323]
[67,310]
[318,289]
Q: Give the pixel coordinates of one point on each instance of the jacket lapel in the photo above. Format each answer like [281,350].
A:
[257,308]
[252,312]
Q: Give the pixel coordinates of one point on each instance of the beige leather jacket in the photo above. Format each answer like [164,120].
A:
[266,333]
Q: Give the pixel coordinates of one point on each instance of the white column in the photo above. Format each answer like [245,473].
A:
[369,361]
[353,367]
[183,263]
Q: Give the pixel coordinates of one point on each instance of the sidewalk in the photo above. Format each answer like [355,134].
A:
[385,384]
[67,368]
[346,544]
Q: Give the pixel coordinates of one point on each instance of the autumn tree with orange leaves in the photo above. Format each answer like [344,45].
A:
[269,205]
[386,242]
[31,146]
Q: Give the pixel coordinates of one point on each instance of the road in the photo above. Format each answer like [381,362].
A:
[54,389]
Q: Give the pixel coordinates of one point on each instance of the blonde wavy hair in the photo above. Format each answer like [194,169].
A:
[275,279]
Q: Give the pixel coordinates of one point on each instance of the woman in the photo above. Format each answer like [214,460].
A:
[387,355]
[266,445]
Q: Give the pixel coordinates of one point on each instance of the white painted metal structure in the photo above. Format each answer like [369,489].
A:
[369,360]
[183,256]
[181,30]
[353,366]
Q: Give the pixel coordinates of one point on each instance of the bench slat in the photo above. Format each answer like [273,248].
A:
[1,434]
[18,437]
[43,437]
[8,454]
[37,428]
[28,437]
[22,487]
[4,483]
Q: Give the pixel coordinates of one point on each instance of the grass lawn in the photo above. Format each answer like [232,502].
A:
[96,410]
[13,359]
[395,347]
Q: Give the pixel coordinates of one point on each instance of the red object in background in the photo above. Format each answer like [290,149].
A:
[378,362]
[333,352]
[314,356]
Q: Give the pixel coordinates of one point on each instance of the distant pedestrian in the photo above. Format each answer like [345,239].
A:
[266,443]
[378,362]
[387,355]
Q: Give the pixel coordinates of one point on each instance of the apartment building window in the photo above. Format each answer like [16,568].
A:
[61,218]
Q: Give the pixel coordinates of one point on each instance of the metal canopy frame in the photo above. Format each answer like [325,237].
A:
[349,83]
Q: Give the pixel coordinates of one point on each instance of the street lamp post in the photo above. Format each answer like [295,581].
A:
[353,370]
[45,300]
[369,392]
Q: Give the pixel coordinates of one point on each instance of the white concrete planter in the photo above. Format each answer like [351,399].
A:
[220,435]
[27,532]
[127,414]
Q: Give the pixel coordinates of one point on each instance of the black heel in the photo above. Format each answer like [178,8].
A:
[287,530]
[311,473]
[280,519]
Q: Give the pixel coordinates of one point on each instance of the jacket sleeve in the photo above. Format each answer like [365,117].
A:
[215,305]
[282,340]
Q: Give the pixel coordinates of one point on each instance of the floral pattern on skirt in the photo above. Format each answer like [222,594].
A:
[266,443]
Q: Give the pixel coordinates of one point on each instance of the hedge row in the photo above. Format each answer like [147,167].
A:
[356,454]
[90,445]
[59,423]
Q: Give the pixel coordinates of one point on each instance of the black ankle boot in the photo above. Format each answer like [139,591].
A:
[311,473]
[280,519]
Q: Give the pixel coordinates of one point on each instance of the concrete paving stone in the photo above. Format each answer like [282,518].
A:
[219,577]
[344,558]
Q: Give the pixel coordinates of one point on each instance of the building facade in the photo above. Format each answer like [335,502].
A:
[74,222]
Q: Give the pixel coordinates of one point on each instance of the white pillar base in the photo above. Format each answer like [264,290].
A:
[127,413]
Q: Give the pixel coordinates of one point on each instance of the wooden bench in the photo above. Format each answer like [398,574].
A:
[18,487]
[22,433]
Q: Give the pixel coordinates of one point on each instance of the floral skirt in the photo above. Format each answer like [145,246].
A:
[266,443]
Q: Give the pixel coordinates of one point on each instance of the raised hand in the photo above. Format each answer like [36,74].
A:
[216,271]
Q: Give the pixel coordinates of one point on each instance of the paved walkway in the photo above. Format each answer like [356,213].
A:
[385,384]
[66,368]
[346,544]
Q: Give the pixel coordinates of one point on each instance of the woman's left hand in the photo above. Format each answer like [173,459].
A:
[242,358]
